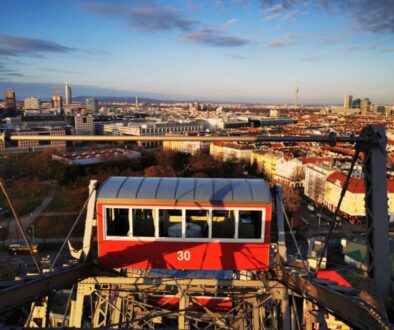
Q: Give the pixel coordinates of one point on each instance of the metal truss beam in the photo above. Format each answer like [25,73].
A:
[351,311]
[123,301]
[188,282]
[22,293]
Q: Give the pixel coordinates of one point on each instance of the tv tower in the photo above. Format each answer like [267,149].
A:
[297,91]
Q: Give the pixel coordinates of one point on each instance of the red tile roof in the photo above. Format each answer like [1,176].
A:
[277,145]
[356,185]
[342,151]
[314,160]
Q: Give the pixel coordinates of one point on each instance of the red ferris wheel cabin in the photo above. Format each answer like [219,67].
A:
[184,223]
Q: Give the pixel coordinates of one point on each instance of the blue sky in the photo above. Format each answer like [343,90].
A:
[235,50]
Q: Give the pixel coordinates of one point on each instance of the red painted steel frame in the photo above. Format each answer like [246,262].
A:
[217,304]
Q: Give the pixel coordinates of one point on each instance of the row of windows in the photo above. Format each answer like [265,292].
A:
[169,129]
[137,222]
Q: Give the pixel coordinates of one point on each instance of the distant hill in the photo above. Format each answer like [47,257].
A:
[127,99]
[45,90]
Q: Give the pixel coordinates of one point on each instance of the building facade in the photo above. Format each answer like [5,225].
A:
[151,128]
[32,104]
[353,205]
[365,105]
[67,94]
[83,124]
[41,144]
[92,105]
[9,103]
[348,102]
[191,147]
[36,120]
[57,102]
[230,151]
[265,162]
[315,181]
[290,172]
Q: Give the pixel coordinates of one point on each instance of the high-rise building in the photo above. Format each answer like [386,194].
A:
[67,94]
[348,102]
[57,102]
[378,108]
[357,103]
[9,103]
[365,105]
[32,104]
[92,105]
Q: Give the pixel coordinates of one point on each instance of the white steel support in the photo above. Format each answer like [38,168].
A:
[76,310]
[278,191]
[183,322]
[87,237]
[38,315]
[236,223]
[256,315]
[279,293]
[90,222]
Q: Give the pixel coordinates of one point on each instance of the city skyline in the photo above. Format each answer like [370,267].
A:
[246,51]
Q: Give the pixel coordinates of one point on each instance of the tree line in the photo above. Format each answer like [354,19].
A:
[154,162]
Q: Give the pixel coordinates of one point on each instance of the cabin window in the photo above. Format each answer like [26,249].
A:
[223,224]
[170,223]
[143,223]
[249,224]
[117,221]
[197,223]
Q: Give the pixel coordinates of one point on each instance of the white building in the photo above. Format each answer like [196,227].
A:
[191,147]
[42,144]
[214,123]
[151,128]
[315,181]
[32,104]
[229,151]
[290,172]
[348,102]
[84,124]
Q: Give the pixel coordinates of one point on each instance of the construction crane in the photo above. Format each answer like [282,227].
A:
[279,297]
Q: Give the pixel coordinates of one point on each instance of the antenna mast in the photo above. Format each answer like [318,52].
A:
[297,90]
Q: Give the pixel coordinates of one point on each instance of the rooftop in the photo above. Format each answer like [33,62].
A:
[178,190]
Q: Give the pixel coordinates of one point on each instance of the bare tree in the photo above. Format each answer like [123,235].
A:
[291,199]
[316,190]
[298,174]
[160,170]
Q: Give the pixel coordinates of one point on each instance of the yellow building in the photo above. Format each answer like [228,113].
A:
[266,162]
[216,150]
[229,151]
[353,205]
[191,147]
